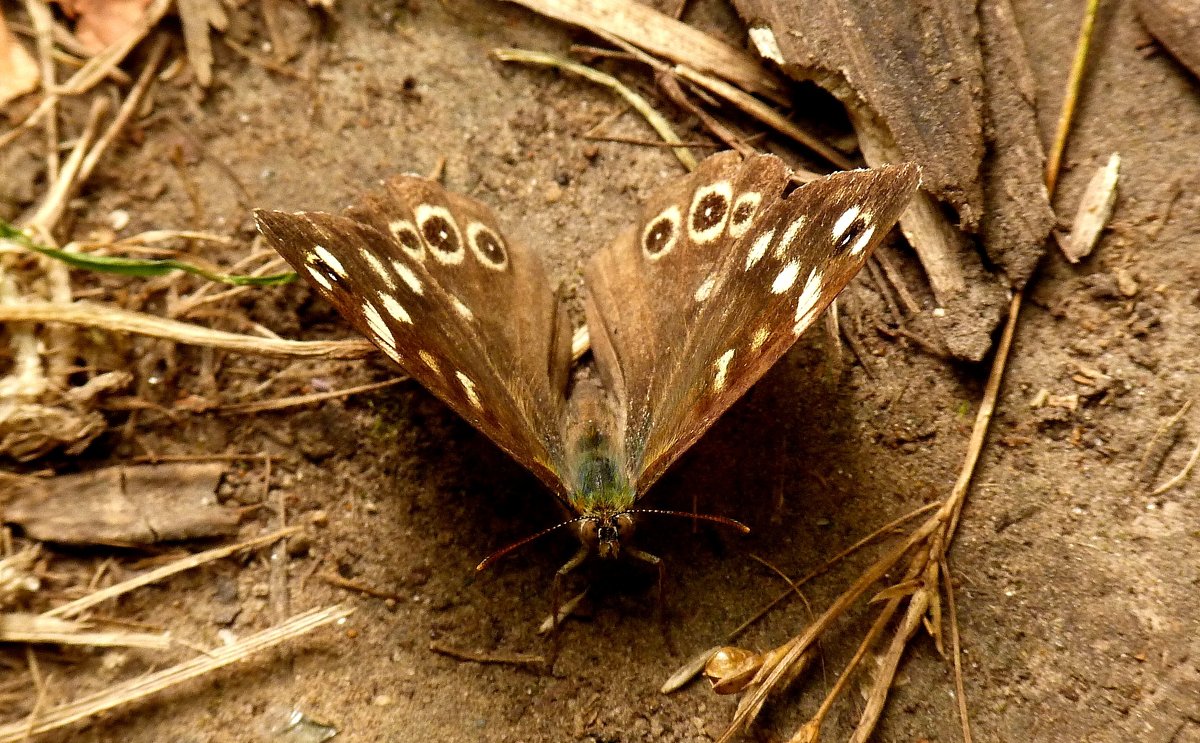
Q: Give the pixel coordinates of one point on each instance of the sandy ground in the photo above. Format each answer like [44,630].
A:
[1077,592]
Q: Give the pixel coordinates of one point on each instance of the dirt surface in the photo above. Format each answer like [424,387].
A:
[1077,592]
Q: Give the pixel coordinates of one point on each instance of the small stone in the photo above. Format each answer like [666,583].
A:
[1127,285]
[382,700]
[299,545]
[319,517]
[260,590]
[553,193]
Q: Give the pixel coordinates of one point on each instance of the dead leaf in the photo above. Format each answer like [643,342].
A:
[19,73]
[99,23]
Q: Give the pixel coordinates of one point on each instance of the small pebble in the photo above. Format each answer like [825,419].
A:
[320,517]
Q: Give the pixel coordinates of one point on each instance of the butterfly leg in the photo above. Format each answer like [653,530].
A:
[661,567]
[556,591]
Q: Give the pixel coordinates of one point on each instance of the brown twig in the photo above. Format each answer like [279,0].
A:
[507,659]
[353,585]
[259,406]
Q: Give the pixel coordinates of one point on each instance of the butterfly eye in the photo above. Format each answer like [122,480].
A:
[852,230]
[661,234]
[709,212]
[487,246]
[440,233]
[744,210]
[405,235]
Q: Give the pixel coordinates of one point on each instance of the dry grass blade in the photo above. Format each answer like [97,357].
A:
[640,104]
[764,113]
[81,605]
[139,688]
[1074,83]
[103,317]
[663,35]
[39,628]
[1183,473]
[260,406]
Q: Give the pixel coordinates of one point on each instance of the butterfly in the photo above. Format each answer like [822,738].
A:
[724,269]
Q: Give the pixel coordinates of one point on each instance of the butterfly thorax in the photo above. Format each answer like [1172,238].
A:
[601,491]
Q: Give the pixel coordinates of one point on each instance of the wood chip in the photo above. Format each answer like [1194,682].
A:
[124,505]
[1095,209]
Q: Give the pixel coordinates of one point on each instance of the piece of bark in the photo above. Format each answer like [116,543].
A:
[1176,25]
[1017,217]
[913,80]
[124,505]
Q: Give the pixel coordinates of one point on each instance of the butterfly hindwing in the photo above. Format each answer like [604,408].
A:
[687,332]
[428,276]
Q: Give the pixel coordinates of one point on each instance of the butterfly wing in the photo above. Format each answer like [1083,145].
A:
[692,307]
[427,276]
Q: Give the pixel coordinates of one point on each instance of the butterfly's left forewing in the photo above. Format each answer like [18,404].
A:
[427,276]
[766,274]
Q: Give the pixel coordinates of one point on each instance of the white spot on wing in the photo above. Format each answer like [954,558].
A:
[721,188]
[861,243]
[789,235]
[394,309]
[746,202]
[424,213]
[764,40]
[378,327]
[469,388]
[321,279]
[408,277]
[809,296]
[785,279]
[462,309]
[475,230]
[405,233]
[429,360]
[705,289]
[759,248]
[760,337]
[843,223]
[671,214]
[722,367]
[323,254]
[377,266]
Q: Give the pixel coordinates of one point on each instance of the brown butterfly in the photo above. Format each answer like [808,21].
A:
[686,310]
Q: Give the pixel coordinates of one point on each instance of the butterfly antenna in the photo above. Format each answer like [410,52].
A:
[700,516]
[487,561]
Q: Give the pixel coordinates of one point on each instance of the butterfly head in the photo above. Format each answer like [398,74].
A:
[603,533]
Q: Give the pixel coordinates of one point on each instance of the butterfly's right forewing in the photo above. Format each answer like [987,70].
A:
[428,276]
[687,323]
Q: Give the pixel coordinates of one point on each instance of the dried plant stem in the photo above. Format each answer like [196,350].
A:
[1183,473]
[153,683]
[640,104]
[764,113]
[91,315]
[1074,83]
[259,406]
[78,606]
